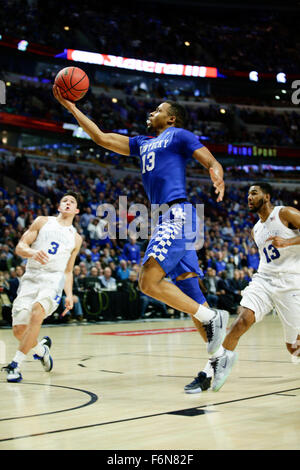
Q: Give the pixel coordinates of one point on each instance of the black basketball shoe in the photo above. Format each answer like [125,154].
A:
[199,384]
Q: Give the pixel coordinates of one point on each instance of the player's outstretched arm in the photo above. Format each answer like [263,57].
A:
[111,141]
[23,248]
[203,156]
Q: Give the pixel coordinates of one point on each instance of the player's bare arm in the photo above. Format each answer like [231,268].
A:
[24,249]
[204,156]
[290,217]
[68,287]
[111,141]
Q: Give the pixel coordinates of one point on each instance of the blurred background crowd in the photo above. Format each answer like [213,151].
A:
[212,121]
[160,32]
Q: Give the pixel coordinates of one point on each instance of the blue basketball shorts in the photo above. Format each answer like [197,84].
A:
[173,241]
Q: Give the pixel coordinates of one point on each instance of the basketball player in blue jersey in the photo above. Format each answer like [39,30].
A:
[50,245]
[163,166]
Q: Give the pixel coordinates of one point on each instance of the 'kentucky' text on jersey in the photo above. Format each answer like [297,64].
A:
[163,162]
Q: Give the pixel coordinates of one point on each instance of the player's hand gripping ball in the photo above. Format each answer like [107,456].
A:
[72,82]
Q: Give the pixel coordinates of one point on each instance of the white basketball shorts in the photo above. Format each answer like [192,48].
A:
[40,287]
[279,291]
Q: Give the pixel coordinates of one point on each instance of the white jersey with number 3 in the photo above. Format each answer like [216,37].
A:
[58,242]
[276,260]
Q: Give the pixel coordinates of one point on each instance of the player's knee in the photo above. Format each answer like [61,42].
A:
[144,285]
[147,285]
[18,331]
[37,315]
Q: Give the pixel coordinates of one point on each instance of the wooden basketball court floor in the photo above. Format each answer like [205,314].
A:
[124,390]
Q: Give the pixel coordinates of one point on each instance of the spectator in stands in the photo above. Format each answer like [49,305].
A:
[95,255]
[106,256]
[93,204]
[95,229]
[226,296]
[123,271]
[243,260]
[236,286]
[219,264]
[14,281]
[146,301]
[85,219]
[243,281]
[130,286]
[99,267]
[211,284]
[236,256]
[76,272]
[6,258]
[253,258]
[5,303]
[76,313]
[83,269]
[230,267]
[94,272]
[248,273]
[107,281]
[21,220]
[91,279]
[112,265]
[4,264]
[131,251]
[114,256]
[227,231]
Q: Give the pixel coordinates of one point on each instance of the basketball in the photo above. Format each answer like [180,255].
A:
[72,82]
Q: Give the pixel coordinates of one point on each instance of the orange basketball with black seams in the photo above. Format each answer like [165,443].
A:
[72,82]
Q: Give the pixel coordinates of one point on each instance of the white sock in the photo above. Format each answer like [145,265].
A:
[19,357]
[208,369]
[219,352]
[39,350]
[295,359]
[204,314]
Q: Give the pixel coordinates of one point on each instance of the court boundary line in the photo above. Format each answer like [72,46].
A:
[88,426]
[93,399]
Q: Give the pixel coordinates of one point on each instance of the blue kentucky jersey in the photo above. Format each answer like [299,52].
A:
[163,162]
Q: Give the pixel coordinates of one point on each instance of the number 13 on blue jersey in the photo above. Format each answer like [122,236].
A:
[148,161]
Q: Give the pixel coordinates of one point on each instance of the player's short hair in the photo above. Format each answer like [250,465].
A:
[265,187]
[74,194]
[179,112]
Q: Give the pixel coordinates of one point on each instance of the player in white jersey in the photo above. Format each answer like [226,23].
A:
[51,245]
[276,283]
